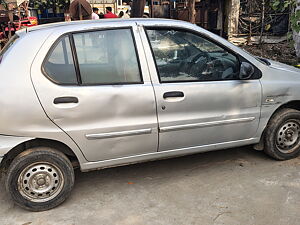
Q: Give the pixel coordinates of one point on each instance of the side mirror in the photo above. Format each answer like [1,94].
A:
[246,71]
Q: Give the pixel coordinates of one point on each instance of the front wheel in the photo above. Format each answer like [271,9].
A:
[39,179]
[282,137]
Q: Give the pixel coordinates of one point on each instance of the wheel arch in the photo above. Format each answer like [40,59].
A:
[294,104]
[38,142]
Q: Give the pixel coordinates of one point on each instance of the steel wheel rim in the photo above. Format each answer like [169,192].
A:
[40,182]
[288,136]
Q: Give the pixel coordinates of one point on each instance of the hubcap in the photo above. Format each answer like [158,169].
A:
[40,182]
[288,136]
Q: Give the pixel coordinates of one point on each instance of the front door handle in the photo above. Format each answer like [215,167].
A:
[173,94]
[64,100]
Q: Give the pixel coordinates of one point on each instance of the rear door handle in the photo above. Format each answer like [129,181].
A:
[64,100]
[173,94]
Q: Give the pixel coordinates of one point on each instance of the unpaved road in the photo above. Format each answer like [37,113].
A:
[235,186]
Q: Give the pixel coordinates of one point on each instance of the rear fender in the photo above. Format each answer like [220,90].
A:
[9,142]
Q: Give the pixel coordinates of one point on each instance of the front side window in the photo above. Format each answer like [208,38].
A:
[184,56]
[107,57]
[59,65]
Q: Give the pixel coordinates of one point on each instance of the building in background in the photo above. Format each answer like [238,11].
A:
[50,10]
[102,4]
[237,20]
[117,6]
[218,16]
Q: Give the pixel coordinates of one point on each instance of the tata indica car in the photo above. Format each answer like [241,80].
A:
[100,94]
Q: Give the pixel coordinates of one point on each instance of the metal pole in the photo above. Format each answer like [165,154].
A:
[137,9]
[80,12]
[25,6]
[262,22]
[151,9]
[192,11]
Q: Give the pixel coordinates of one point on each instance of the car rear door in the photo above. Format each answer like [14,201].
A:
[201,102]
[94,85]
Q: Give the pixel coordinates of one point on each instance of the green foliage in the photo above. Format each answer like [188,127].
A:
[295,21]
[283,5]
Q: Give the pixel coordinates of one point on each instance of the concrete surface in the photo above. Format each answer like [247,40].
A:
[235,186]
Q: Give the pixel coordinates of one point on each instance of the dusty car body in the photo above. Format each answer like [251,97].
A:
[174,100]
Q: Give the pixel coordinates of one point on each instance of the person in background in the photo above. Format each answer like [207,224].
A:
[121,14]
[109,13]
[101,15]
[126,15]
[95,14]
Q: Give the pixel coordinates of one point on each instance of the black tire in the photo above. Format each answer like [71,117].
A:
[43,166]
[277,143]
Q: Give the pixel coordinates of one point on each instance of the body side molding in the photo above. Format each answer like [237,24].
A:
[118,134]
[206,124]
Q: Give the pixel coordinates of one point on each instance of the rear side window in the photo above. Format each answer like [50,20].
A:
[59,65]
[107,57]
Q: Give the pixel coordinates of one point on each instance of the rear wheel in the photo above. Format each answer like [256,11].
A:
[39,179]
[282,137]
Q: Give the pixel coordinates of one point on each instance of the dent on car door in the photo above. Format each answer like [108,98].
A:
[203,102]
[95,90]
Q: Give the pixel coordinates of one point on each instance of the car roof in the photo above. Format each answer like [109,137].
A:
[102,21]
[105,22]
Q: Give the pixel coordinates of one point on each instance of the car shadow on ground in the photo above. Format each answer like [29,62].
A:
[168,166]
[236,180]
[175,166]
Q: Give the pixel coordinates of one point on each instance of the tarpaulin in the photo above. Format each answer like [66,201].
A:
[86,9]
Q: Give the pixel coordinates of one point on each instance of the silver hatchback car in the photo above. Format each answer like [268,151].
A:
[100,94]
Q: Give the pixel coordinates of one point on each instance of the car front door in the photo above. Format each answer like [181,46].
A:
[201,101]
[94,86]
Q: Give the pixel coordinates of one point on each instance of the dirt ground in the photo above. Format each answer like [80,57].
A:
[282,52]
[234,187]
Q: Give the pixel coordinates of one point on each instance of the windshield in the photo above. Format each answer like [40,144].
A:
[7,46]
